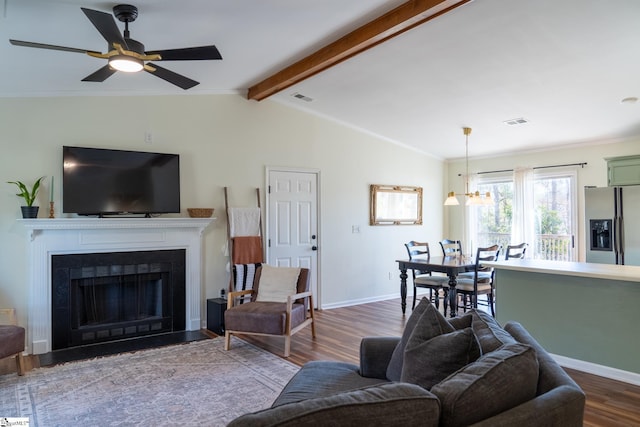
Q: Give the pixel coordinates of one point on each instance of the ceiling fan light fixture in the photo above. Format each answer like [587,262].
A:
[126,63]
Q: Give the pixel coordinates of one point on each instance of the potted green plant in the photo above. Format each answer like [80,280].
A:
[29,196]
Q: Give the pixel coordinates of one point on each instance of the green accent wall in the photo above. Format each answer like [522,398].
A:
[593,320]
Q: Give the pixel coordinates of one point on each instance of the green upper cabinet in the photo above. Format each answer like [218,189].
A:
[623,170]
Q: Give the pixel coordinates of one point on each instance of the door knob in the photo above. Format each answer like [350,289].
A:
[314,248]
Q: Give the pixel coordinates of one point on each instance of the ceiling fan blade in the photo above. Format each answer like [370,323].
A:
[49,46]
[106,25]
[101,75]
[187,53]
[174,78]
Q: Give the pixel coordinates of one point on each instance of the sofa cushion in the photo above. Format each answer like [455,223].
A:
[394,370]
[489,332]
[323,378]
[429,360]
[277,283]
[494,383]
[395,404]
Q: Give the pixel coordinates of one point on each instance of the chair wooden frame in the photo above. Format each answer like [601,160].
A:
[426,279]
[10,315]
[451,247]
[287,309]
[482,281]
[515,251]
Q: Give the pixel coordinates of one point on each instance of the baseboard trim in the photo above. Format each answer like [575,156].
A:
[421,291]
[361,301]
[600,370]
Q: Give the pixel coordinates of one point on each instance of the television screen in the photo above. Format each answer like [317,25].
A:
[99,181]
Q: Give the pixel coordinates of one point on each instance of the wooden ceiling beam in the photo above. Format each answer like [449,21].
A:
[403,18]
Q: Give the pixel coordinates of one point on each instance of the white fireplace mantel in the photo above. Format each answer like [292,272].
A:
[101,235]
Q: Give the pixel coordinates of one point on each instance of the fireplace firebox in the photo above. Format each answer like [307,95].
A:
[102,297]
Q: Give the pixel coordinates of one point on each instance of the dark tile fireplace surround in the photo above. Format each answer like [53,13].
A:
[108,297]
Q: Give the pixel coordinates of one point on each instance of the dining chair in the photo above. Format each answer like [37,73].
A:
[424,279]
[451,247]
[482,281]
[515,251]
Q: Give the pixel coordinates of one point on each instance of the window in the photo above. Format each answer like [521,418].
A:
[545,219]
[555,217]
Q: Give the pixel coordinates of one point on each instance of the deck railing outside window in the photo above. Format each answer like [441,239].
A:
[554,247]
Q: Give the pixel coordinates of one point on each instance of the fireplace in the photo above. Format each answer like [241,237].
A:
[50,238]
[102,297]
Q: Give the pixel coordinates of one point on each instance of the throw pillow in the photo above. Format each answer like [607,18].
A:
[394,369]
[429,361]
[494,383]
[489,332]
[277,283]
[461,322]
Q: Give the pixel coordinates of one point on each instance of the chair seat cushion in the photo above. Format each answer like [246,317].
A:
[11,340]
[263,317]
[322,379]
[426,280]
[482,275]
[467,286]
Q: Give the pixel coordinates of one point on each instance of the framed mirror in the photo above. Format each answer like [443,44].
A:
[395,205]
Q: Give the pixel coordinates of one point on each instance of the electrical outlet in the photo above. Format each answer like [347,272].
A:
[148,137]
[355,229]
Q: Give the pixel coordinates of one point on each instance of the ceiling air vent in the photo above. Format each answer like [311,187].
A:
[302,97]
[518,121]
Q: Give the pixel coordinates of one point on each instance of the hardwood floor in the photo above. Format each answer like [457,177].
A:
[339,331]
[609,402]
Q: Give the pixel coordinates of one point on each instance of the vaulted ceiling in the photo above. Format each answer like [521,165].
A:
[562,66]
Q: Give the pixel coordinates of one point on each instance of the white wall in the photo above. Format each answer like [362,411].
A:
[224,140]
[593,174]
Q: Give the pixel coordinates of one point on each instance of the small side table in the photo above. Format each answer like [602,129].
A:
[215,315]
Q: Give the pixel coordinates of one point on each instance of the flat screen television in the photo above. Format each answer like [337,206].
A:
[98,181]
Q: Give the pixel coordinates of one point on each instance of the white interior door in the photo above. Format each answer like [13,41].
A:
[292,222]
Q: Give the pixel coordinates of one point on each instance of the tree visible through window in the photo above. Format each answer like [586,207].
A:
[494,221]
[553,200]
[553,226]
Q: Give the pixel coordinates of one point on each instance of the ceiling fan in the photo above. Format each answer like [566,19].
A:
[128,55]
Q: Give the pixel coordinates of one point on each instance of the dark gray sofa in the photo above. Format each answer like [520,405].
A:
[514,382]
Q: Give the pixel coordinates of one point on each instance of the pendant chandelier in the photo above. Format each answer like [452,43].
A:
[474,198]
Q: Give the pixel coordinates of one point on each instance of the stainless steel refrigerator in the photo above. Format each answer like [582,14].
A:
[613,225]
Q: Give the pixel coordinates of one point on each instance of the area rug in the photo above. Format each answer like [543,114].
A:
[194,384]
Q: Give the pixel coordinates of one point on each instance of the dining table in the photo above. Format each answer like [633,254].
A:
[451,265]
